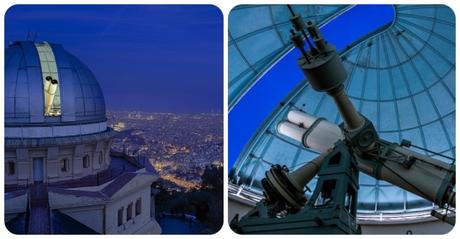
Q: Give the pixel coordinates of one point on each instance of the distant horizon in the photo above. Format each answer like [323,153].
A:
[153,57]
[163,112]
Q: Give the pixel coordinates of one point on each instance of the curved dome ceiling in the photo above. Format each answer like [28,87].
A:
[403,79]
[79,99]
[258,35]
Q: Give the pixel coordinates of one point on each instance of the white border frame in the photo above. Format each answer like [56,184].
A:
[225,6]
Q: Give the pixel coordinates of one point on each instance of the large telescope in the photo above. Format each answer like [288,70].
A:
[412,171]
[50,88]
[345,149]
[431,179]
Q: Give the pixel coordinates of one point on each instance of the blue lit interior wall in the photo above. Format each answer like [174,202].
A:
[401,77]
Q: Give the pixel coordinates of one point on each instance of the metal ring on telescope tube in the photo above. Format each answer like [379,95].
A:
[310,129]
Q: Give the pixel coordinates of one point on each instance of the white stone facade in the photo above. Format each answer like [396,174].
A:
[55,163]
[55,131]
[127,211]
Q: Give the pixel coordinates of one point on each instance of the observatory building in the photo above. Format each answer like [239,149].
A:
[60,174]
[401,76]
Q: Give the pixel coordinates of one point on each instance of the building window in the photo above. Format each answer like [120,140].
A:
[11,168]
[138,206]
[101,158]
[64,165]
[129,212]
[120,216]
[86,161]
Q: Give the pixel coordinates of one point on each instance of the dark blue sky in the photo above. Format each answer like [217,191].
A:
[163,58]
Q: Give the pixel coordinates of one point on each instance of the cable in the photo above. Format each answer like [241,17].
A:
[427,150]
[392,158]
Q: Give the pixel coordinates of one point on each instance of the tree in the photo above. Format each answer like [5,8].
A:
[212,178]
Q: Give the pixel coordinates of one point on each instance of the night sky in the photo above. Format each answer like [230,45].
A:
[166,58]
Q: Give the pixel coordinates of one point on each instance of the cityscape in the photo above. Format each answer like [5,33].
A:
[186,152]
[177,146]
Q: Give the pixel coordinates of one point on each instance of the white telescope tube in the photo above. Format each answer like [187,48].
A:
[322,136]
[300,118]
[49,96]
[46,84]
[291,130]
[315,133]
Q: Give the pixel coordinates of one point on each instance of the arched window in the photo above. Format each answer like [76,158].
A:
[64,163]
[86,161]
